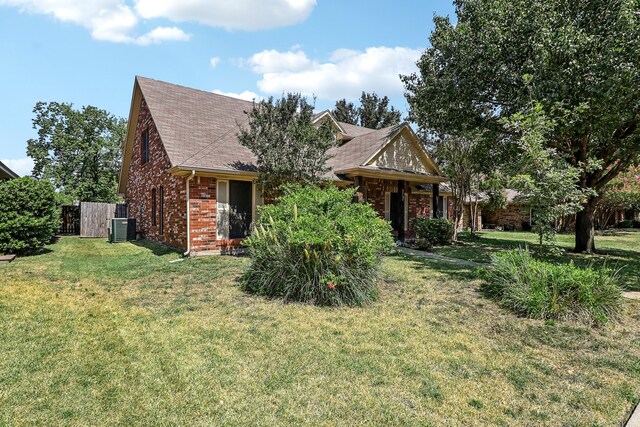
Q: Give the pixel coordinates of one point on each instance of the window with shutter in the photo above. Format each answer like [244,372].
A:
[153,207]
[144,155]
[222,211]
[161,211]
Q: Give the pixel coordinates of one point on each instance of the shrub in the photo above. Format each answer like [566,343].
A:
[542,290]
[314,245]
[627,223]
[423,244]
[437,231]
[29,216]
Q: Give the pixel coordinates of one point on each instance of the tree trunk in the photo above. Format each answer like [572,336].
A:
[585,230]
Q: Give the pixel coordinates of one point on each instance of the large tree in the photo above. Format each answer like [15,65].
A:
[288,146]
[374,112]
[580,60]
[78,151]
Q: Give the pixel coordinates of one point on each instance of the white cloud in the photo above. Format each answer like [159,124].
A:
[272,61]
[107,20]
[345,75]
[236,14]
[247,95]
[22,167]
[214,61]
[160,34]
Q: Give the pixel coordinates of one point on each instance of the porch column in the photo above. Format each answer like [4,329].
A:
[435,193]
[400,209]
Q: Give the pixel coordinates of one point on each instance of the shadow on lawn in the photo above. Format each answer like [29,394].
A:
[480,250]
[155,248]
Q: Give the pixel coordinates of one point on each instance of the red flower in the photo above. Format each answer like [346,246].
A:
[331,285]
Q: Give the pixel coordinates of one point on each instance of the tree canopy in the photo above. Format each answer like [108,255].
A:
[78,151]
[288,146]
[579,60]
[374,112]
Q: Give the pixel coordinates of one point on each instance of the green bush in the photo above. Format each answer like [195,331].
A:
[314,245]
[29,216]
[542,290]
[423,245]
[437,231]
[627,223]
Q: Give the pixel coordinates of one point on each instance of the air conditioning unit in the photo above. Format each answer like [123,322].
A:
[118,230]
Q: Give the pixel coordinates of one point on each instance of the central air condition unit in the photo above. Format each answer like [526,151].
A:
[118,231]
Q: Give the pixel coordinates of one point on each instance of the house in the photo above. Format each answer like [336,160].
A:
[6,173]
[190,184]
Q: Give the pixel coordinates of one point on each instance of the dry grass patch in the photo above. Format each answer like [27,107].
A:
[101,334]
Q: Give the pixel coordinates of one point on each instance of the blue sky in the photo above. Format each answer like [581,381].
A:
[87,52]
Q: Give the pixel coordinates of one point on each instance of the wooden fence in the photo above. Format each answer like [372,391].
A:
[95,218]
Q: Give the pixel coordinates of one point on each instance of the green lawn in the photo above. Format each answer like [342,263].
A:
[100,334]
[616,249]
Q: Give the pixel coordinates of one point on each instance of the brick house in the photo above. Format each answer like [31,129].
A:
[6,173]
[190,184]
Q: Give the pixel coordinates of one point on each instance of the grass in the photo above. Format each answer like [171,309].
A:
[99,334]
[616,249]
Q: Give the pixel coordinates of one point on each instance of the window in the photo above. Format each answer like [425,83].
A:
[144,155]
[443,208]
[153,207]
[161,211]
[235,209]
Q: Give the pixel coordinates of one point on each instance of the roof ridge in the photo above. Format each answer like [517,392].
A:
[208,92]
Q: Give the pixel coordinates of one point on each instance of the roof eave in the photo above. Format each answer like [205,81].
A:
[388,174]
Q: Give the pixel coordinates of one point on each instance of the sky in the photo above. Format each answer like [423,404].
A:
[87,52]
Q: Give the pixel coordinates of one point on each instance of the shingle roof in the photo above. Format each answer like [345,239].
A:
[353,130]
[199,130]
[6,173]
[358,150]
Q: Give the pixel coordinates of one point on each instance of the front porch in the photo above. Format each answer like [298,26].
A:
[400,201]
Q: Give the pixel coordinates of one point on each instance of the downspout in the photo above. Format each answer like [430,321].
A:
[189,178]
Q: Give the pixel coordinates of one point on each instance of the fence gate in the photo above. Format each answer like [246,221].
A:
[122,210]
[70,220]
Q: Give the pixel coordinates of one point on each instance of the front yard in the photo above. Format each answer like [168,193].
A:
[617,249]
[100,334]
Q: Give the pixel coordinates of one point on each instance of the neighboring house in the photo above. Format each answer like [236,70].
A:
[190,184]
[514,216]
[6,173]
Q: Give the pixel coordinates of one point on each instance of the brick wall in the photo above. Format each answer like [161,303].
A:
[153,174]
[511,217]
[203,225]
[202,202]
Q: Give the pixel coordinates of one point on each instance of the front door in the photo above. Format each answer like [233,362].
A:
[395,212]
[240,208]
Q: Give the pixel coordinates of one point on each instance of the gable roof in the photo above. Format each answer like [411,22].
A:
[6,173]
[199,132]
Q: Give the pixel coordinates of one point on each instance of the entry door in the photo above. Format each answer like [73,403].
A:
[395,213]
[240,208]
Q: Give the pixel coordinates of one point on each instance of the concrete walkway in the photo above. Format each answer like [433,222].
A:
[634,420]
[632,295]
[407,251]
